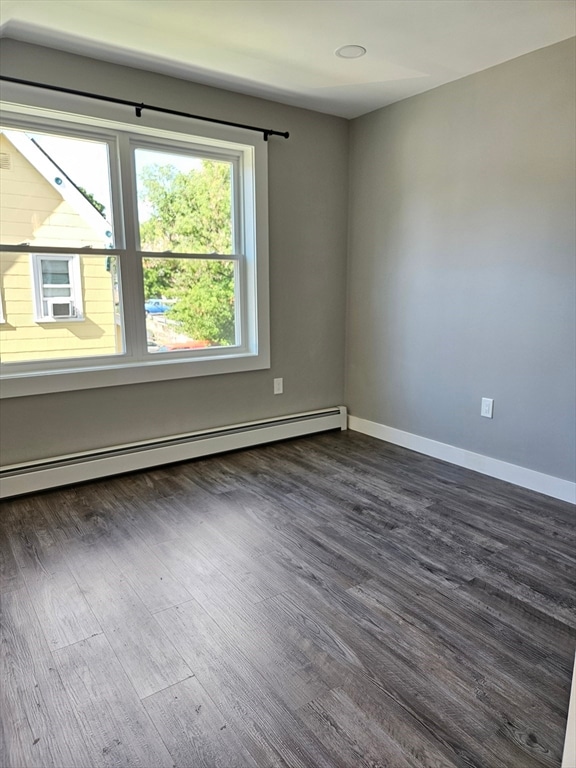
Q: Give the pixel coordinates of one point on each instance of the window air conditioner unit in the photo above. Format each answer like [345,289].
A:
[60,308]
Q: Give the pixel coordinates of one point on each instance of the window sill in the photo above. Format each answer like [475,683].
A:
[36,383]
[52,320]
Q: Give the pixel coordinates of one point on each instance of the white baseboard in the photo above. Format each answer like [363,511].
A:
[569,756]
[77,468]
[511,473]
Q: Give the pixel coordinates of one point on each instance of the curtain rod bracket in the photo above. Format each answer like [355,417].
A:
[139,109]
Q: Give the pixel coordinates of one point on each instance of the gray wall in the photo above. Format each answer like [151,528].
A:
[308,207]
[461,263]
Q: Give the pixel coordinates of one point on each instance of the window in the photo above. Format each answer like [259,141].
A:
[57,292]
[129,253]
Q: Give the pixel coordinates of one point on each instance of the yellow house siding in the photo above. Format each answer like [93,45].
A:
[33,212]
[64,228]
[23,338]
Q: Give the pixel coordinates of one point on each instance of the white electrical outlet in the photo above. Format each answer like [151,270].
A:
[278,386]
[487,407]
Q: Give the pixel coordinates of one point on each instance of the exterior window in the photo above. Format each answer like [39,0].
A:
[129,253]
[58,294]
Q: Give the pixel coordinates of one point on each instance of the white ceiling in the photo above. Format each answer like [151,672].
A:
[284,49]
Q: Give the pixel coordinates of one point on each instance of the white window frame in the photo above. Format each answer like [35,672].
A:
[247,150]
[75,285]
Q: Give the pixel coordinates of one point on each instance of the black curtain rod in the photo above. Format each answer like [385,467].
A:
[266,132]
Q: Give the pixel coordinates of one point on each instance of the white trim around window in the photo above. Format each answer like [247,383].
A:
[248,154]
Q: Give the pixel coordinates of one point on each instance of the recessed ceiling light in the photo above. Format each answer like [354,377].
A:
[350,51]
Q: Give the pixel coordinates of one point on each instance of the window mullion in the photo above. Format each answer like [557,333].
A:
[132,292]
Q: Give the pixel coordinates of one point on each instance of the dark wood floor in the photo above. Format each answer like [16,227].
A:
[329,601]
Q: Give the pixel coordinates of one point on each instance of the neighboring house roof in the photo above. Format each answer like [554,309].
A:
[61,182]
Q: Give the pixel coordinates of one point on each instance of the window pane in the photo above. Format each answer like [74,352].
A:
[67,321]
[55,272]
[184,203]
[54,191]
[189,303]
[51,291]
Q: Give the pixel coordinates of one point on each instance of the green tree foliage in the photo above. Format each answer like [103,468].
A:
[191,213]
[100,207]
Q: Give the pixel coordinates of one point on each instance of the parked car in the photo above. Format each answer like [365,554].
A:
[157,306]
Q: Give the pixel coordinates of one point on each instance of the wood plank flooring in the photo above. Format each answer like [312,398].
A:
[327,602]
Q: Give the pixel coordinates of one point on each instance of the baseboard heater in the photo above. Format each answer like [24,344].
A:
[19,479]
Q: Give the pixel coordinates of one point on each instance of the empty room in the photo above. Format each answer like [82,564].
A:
[288,383]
